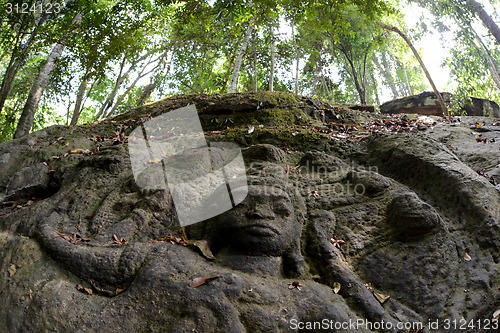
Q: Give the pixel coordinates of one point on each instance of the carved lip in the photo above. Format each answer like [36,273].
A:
[262,230]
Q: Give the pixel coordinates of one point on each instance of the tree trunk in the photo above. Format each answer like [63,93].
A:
[408,86]
[38,88]
[297,60]
[375,85]
[359,87]
[26,119]
[16,61]
[323,81]
[358,81]
[140,76]
[68,111]
[384,69]
[111,97]
[228,73]
[254,66]
[493,66]
[487,20]
[14,41]
[239,59]
[119,80]
[146,93]
[273,60]
[407,40]
[79,100]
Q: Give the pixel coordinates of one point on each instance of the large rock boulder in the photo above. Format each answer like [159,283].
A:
[482,107]
[424,103]
[344,225]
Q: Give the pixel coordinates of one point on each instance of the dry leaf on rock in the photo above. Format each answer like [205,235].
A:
[196,282]
[78,151]
[119,240]
[11,270]
[496,315]
[336,287]
[203,246]
[119,290]
[381,297]
[336,241]
[200,244]
[295,284]
[79,287]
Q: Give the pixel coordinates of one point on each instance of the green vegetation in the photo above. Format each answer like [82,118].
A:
[83,61]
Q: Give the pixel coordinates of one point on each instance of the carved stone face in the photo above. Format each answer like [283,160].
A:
[263,224]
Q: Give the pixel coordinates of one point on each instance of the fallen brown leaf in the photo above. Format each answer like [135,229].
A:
[196,282]
[381,297]
[11,270]
[119,290]
[203,246]
[120,240]
[295,284]
[79,287]
[78,151]
[336,287]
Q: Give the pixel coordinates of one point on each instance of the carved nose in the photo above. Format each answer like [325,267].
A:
[260,212]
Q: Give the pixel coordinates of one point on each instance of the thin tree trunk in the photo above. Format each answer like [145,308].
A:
[14,41]
[255,64]
[140,76]
[228,73]
[315,78]
[493,66]
[67,111]
[487,20]
[119,80]
[239,59]
[273,60]
[359,87]
[16,61]
[357,82]
[407,40]
[386,73]
[408,86]
[38,88]
[363,73]
[28,115]
[146,93]
[297,60]
[374,80]
[111,97]
[323,81]
[79,100]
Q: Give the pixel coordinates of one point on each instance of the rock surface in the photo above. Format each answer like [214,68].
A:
[426,103]
[482,107]
[383,207]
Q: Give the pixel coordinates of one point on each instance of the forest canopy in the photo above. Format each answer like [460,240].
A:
[74,61]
